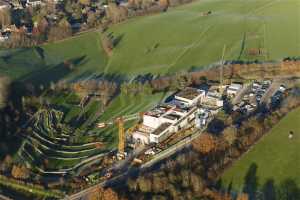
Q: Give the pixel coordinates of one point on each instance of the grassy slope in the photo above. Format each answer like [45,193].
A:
[29,189]
[121,105]
[276,156]
[124,105]
[185,38]
[84,51]
[178,39]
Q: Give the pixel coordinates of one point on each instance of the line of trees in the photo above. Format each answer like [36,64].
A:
[52,22]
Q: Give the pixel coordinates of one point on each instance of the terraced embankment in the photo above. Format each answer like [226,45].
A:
[50,149]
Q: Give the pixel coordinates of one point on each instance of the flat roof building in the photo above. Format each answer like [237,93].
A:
[234,88]
[213,98]
[189,96]
[165,119]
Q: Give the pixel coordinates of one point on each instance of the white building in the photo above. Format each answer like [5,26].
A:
[202,117]
[213,98]
[154,118]
[141,137]
[177,119]
[189,96]
[234,89]
[162,121]
[34,2]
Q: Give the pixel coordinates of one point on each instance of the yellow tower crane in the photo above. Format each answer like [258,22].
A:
[120,121]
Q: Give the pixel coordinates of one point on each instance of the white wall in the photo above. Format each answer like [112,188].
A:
[186,102]
[152,122]
[141,137]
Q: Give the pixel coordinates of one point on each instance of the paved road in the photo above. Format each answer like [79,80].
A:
[238,98]
[121,167]
[82,195]
[270,92]
[173,149]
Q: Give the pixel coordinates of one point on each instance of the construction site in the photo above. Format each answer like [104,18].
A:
[186,112]
[189,109]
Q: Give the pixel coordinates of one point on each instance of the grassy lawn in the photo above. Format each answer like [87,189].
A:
[275,158]
[44,64]
[180,39]
[29,189]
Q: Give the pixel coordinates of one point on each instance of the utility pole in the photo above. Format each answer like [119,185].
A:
[265,46]
[121,145]
[222,66]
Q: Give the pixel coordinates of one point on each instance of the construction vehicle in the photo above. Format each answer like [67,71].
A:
[121,130]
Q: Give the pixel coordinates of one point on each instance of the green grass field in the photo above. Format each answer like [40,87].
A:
[180,39]
[44,64]
[276,157]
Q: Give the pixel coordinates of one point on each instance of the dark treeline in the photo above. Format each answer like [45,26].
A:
[55,21]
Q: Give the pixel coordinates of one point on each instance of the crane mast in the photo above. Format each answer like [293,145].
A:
[121,130]
[121,145]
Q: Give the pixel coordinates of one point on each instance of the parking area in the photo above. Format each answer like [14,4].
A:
[257,93]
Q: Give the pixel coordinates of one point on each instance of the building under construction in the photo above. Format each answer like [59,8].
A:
[163,120]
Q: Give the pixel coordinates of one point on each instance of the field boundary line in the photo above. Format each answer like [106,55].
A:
[189,48]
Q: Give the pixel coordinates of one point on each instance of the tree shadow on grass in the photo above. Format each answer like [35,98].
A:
[112,77]
[40,51]
[288,189]
[53,74]
[6,55]
[251,181]
[117,39]
[269,190]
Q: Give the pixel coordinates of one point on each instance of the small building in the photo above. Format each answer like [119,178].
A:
[234,89]
[4,36]
[33,2]
[213,98]
[141,137]
[282,88]
[202,117]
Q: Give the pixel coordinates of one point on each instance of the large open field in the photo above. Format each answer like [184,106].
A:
[180,39]
[275,159]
